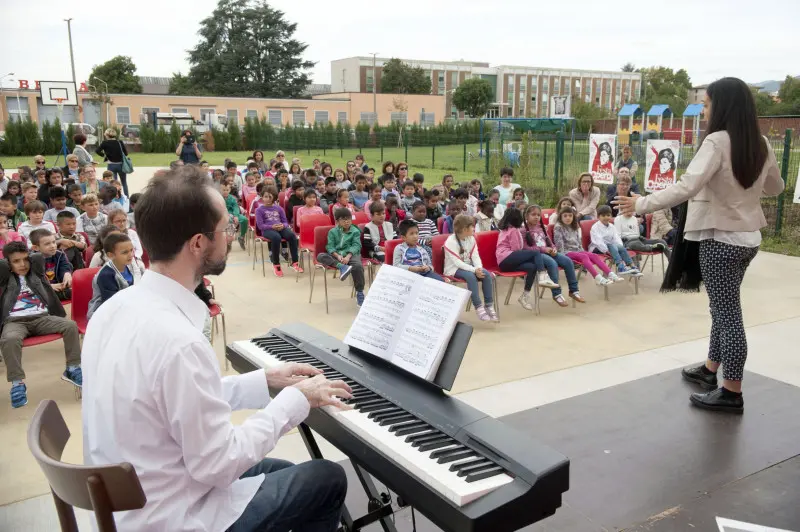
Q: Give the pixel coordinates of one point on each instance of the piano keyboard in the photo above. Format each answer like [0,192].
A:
[457,472]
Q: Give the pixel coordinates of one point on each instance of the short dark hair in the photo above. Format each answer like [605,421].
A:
[604,209]
[180,199]
[282,170]
[113,239]
[9,197]
[360,177]
[74,186]
[134,199]
[57,192]
[259,188]
[342,214]
[34,206]
[252,164]
[460,193]
[507,171]
[55,170]
[389,177]
[37,235]
[310,192]
[374,186]
[311,173]
[15,247]
[230,164]
[329,180]
[431,193]
[409,183]
[417,205]
[342,191]
[65,215]
[79,138]
[404,226]
[375,207]
[298,184]
[418,178]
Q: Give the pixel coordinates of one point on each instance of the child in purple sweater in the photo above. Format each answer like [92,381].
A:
[271,222]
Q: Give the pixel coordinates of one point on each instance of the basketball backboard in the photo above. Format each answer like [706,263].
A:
[52,91]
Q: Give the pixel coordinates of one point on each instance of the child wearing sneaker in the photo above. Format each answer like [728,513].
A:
[535,236]
[568,238]
[344,251]
[118,273]
[462,261]
[426,227]
[272,224]
[605,239]
[310,206]
[232,206]
[377,232]
[512,257]
[57,267]
[28,306]
[410,255]
[628,228]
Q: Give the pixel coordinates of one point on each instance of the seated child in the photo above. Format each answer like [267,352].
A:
[119,219]
[661,226]
[116,274]
[120,198]
[57,267]
[249,186]
[310,207]
[512,256]
[75,197]
[485,217]
[374,195]
[296,199]
[92,220]
[476,189]
[328,197]
[14,217]
[99,257]
[232,206]
[410,255]
[107,196]
[377,232]
[206,297]
[499,209]
[389,183]
[35,212]
[568,239]
[131,218]
[394,214]
[409,197]
[58,202]
[6,234]
[359,194]
[536,238]
[433,210]
[69,240]
[419,186]
[426,227]
[256,203]
[344,251]
[628,228]
[462,261]
[517,195]
[31,307]
[13,187]
[343,201]
[563,203]
[272,224]
[28,195]
[108,176]
[453,210]
[341,179]
[606,239]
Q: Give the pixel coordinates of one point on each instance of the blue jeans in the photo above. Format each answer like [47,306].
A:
[552,264]
[472,283]
[275,237]
[430,274]
[119,175]
[619,254]
[306,497]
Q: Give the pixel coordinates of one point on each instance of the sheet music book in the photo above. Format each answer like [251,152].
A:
[408,320]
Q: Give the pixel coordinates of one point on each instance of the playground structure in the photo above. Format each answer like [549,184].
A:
[645,128]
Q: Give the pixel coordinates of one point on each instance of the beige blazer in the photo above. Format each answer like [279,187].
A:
[716,199]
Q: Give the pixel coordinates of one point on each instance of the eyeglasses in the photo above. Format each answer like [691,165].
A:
[350,165]
[230,230]
[403,168]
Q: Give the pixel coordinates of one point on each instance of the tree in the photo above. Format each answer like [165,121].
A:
[629,67]
[119,73]
[398,77]
[473,97]
[585,114]
[662,85]
[246,49]
[764,102]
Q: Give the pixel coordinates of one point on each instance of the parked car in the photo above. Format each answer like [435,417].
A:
[86,129]
[131,131]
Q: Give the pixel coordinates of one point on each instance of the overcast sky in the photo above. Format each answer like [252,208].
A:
[709,38]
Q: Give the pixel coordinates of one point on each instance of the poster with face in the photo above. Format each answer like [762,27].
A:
[662,161]
[559,106]
[601,158]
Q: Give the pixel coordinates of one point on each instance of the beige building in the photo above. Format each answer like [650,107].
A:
[132,108]
[519,91]
[696,94]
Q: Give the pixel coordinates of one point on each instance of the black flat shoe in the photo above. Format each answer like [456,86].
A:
[697,376]
[718,401]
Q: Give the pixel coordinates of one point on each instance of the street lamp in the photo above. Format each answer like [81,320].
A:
[108,108]
[2,78]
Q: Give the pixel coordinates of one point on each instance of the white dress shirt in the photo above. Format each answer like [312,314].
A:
[153,396]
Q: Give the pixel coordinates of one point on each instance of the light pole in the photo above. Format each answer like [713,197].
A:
[2,78]
[71,57]
[108,105]
[374,88]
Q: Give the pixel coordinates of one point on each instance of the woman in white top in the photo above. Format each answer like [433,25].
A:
[506,188]
[719,230]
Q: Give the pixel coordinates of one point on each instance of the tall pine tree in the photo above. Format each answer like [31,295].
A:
[246,49]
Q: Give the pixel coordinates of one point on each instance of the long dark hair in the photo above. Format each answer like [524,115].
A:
[733,109]
[511,218]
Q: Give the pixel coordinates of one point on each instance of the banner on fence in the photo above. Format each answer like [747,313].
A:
[797,188]
[662,161]
[560,106]
[601,158]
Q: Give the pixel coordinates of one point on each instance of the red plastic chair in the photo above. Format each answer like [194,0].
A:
[81,295]
[283,197]
[361,217]
[145,259]
[437,258]
[546,213]
[88,253]
[296,219]
[306,244]
[320,242]
[586,227]
[487,250]
[31,341]
[648,222]
[440,225]
[330,214]
[390,246]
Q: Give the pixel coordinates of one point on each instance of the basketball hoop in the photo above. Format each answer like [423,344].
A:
[60,105]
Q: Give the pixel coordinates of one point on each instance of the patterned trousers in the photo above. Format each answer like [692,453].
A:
[723,267]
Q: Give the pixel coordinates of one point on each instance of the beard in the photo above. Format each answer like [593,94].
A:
[213,266]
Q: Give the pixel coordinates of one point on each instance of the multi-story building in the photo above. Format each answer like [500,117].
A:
[518,91]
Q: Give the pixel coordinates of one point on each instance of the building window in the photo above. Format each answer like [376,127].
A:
[534,84]
[453,111]
[544,105]
[342,117]
[252,114]
[233,116]
[321,117]
[147,114]
[179,111]
[204,112]
[275,117]
[299,118]
[123,115]
[427,119]
[368,118]
[453,80]
[18,112]
[400,118]
[370,80]
[441,82]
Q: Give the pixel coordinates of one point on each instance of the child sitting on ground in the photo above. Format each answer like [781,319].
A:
[116,274]
[410,255]
[14,217]
[377,232]
[7,235]
[426,227]
[58,202]
[606,239]
[69,240]
[485,217]
[31,307]
[310,207]
[536,238]
[92,220]
[272,224]
[344,251]
[35,213]
[232,206]
[628,228]
[568,239]
[57,268]
[512,257]
[462,261]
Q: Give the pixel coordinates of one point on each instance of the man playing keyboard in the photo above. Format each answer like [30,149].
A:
[153,395]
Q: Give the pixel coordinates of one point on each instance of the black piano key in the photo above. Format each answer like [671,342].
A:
[447,452]
[392,420]
[424,435]
[435,444]
[403,424]
[375,399]
[367,397]
[412,428]
[376,407]
[463,472]
[486,473]
[460,455]
[419,439]
[469,463]
[383,413]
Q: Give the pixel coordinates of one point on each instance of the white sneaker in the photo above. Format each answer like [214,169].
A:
[614,278]
[525,301]
[635,272]
[599,280]
[545,281]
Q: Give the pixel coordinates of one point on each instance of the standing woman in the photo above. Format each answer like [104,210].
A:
[585,196]
[113,149]
[719,230]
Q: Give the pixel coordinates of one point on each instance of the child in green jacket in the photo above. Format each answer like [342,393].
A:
[233,209]
[344,251]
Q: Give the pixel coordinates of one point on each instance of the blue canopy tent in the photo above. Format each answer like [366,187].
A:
[693,111]
[661,111]
[631,110]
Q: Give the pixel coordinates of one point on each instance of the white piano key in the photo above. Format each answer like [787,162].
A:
[255,354]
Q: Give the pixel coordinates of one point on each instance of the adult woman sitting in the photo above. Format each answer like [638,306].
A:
[113,151]
[718,231]
[80,151]
[89,182]
[401,173]
[585,196]
[258,157]
[387,170]
[73,168]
